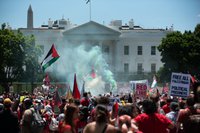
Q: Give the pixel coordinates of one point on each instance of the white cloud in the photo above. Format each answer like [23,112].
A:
[198,15]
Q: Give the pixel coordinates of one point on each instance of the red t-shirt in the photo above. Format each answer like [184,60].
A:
[154,123]
[166,108]
[85,102]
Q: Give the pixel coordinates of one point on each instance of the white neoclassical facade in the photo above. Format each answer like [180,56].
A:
[131,51]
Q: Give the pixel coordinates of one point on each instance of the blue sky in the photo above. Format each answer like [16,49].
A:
[183,14]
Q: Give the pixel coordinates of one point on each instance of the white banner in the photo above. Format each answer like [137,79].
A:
[180,85]
[140,88]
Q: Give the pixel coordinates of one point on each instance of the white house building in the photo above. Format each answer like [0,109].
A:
[130,50]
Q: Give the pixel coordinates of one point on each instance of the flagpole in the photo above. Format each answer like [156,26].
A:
[90,10]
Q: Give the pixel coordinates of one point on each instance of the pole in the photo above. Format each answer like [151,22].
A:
[90,10]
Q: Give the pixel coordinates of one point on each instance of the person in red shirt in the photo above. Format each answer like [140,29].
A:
[150,121]
[166,107]
[85,100]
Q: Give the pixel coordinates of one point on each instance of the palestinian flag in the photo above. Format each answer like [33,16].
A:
[50,58]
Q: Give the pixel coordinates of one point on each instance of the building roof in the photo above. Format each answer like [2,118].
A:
[92,27]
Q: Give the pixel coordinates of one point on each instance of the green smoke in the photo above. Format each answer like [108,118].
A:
[81,60]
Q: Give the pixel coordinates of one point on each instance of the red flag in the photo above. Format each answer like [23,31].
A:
[76,93]
[193,79]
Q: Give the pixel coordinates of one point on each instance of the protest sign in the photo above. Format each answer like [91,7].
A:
[140,88]
[180,85]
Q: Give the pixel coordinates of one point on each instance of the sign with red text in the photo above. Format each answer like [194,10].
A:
[140,88]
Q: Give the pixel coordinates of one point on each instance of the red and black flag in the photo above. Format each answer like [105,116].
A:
[76,93]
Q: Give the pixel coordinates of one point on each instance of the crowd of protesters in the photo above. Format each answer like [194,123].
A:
[158,113]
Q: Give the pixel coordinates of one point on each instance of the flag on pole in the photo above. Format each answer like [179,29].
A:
[50,58]
[76,93]
[87,1]
[154,84]
[69,92]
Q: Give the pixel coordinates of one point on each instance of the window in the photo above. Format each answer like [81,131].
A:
[153,68]
[139,68]
[139,50]
[126,50]
[153,50]
[126,67]
[106,49]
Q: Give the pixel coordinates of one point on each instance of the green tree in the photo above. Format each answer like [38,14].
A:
[17,53]
[180,53]
[32,67]
[12,57]
[197,31]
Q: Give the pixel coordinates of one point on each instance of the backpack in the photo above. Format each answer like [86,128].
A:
[37,123]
